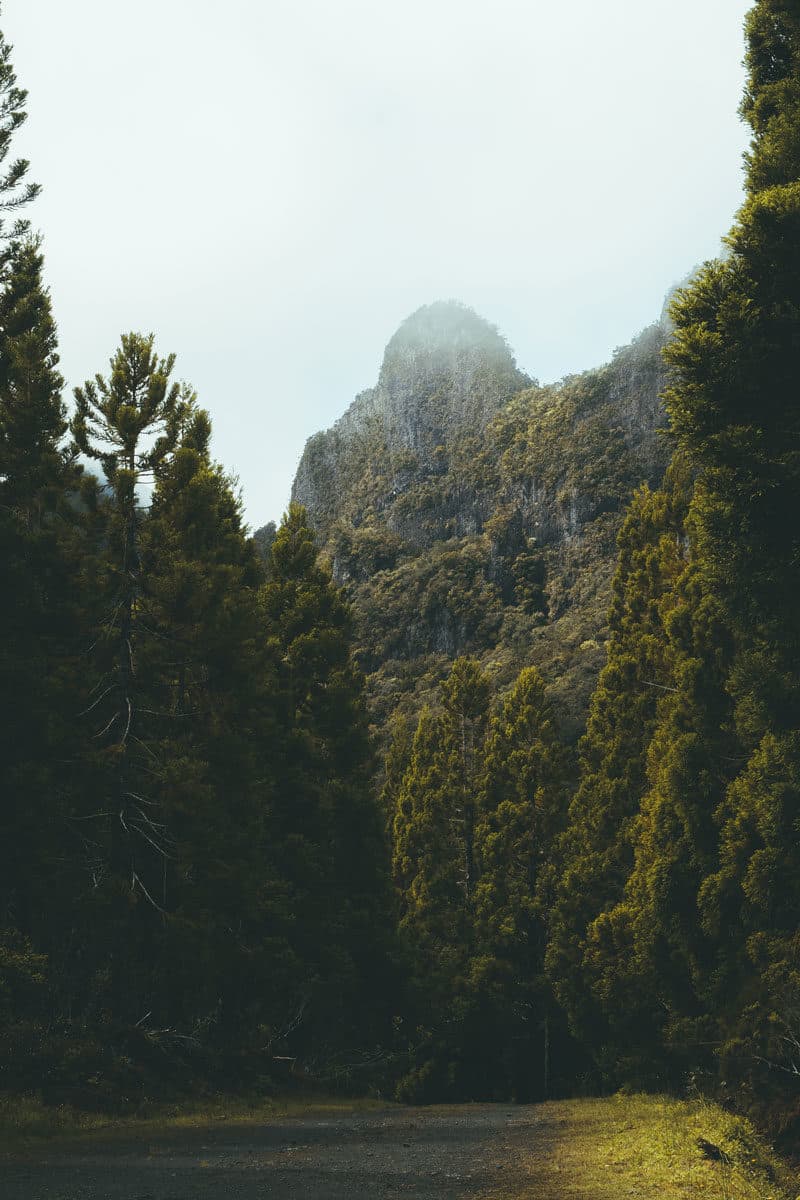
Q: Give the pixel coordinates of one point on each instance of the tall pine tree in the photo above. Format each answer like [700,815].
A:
[734,410]
[596,850]
[521,811]
[435,872]
[328,834]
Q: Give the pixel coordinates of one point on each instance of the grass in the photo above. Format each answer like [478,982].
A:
[25,1121]
[646,1147]
[621,1147]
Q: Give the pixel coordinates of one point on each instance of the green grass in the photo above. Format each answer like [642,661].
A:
[646,1147]
[25,1121]
[641,1147]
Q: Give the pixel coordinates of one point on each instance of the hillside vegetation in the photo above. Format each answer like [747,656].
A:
[479,778]
[466,511]
[648,1147]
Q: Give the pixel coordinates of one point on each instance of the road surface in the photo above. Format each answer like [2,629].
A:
[437,1153]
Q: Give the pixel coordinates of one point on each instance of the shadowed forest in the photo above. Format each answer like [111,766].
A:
[476,779]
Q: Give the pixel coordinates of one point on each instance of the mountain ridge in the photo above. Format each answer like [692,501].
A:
[467,509]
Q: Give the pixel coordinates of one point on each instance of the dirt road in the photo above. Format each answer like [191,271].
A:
[417,1154]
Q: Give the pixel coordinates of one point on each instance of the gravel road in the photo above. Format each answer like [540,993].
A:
[417,1154]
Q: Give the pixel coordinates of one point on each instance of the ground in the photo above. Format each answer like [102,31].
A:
[643,1147]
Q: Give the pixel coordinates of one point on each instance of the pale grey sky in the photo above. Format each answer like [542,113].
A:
[271,186]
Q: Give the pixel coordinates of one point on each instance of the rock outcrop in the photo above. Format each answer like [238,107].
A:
[446,372]
[468,510]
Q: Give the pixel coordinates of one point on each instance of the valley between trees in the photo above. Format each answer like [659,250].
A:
[478,779]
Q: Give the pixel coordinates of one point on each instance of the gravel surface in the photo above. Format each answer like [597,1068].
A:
[417,1154]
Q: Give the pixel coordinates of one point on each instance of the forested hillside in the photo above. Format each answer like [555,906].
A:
[466,510]
[479,777]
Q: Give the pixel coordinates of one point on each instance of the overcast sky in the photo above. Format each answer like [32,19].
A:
[271,186]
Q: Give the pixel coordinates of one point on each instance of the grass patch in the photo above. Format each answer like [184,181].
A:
[25,1121]
[647,1147]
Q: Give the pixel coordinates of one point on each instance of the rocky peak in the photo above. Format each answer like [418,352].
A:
[468,511]
[446,372]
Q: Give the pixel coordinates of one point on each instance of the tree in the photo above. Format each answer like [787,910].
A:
[15,193]
[34,478]
[38,547]
[130,424]
[328,835]
[435,875]
[733,407]
[521,811]
[206,679]
[434,828]
[654,944]
[596,849]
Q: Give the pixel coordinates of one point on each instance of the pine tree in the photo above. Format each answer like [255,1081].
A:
[653,944]
[15,193]
[733,407]
[207,675]
[326,827]
[435,873]
[130,424]
[34,479]
[395,764]
[37,547]
[434,829]
[596,850]
[521,810]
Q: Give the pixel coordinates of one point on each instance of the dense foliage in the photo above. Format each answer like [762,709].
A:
[195,877]
[207,868]
[681,954]
[487,530]
[475,815]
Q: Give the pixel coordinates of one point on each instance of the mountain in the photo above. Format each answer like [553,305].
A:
[466,509]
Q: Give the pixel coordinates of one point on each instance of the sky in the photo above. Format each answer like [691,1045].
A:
[272,186]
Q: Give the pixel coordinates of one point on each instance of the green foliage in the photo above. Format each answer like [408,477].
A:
[191,842]
[469,513]
[475,818]
[596,851]
[15,193]
[434,825]
[521,807]
[130,424]
[328,836]
[435,875]
[674,932]
[209,729]
[38,544]
[193,852]
[735,358]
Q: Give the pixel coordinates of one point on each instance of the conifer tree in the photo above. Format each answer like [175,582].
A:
[209,725]
[434,829]
[653,944]
[328,836]
[34,478]
[435,873]
[38,598]
[733,407]
[427,860]
[596,850]
[15,193]
[130,424]
[395,764]
[414,831]
[521,810]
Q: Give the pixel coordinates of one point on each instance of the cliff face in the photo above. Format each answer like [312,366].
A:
[445,374]
[468,510]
